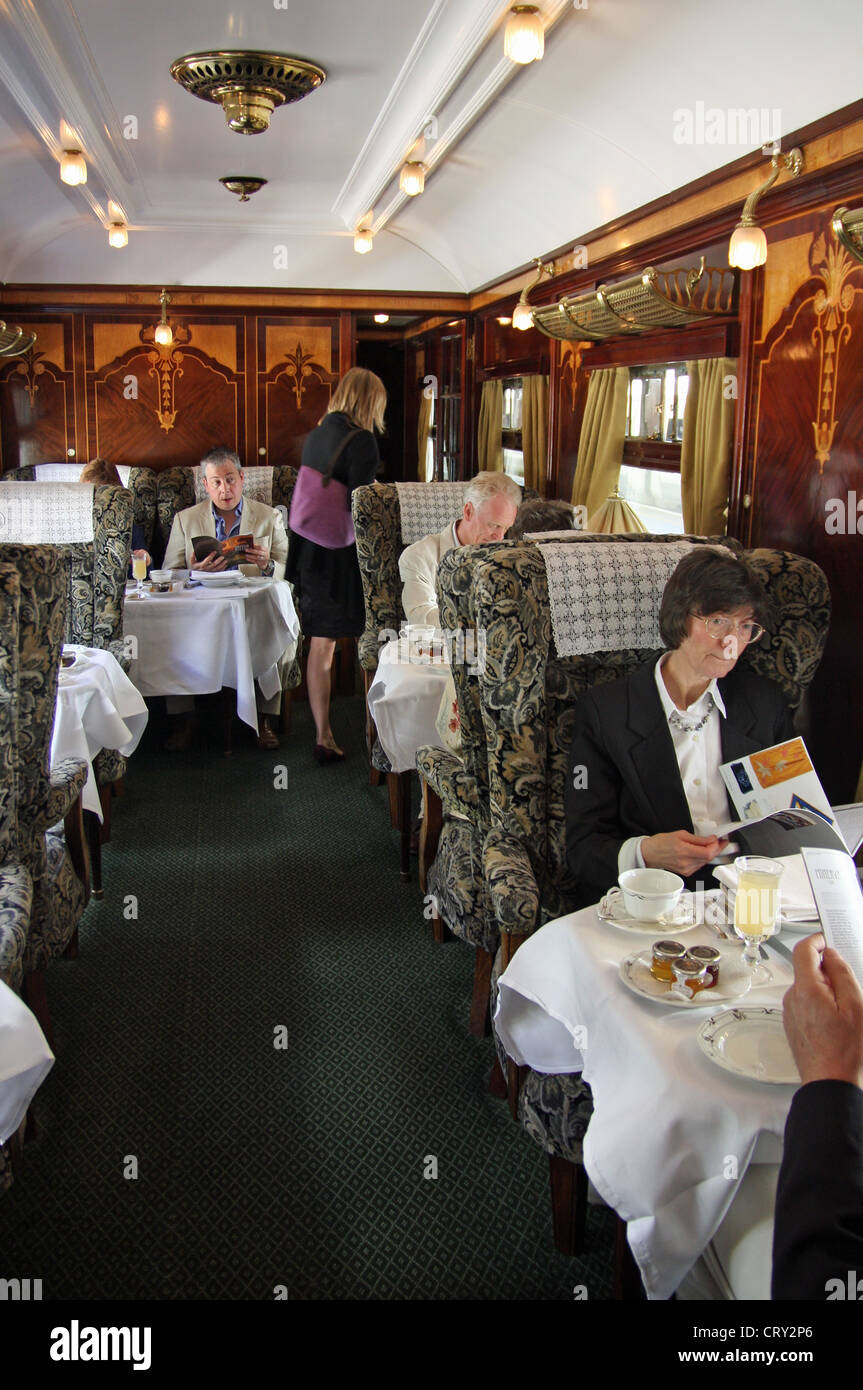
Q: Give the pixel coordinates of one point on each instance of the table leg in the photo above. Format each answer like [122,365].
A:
[404,815]
[568,1204]
[430,828]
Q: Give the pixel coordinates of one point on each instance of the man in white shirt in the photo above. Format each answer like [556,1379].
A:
[491,502]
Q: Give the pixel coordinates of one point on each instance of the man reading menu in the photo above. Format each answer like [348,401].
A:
[226,515]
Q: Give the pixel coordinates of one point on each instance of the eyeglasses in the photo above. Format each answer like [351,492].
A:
[720,627]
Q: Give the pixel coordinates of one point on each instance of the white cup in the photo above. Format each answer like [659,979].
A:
[649,893]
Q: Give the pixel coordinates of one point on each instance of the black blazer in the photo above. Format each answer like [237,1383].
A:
[818,1230]
[623,742]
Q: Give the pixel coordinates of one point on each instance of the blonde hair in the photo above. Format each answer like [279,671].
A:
[361,396]
[101,472]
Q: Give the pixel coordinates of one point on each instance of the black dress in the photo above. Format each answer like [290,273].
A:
[327,582]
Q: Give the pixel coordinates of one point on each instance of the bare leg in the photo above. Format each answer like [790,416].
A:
[318,679]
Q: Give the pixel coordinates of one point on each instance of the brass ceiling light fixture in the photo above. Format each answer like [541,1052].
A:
[247,86]
[412,178]
[524,36]
[848,226]
[748,246]
[242,184]
[522,314]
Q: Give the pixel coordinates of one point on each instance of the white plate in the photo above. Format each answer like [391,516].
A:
[683,918]
[734,982]
[222,579]
[750,1042]
[257,580]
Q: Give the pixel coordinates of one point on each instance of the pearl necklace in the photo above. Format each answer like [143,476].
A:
[678,723]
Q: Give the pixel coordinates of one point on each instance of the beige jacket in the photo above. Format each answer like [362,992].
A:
[418,569]
[265,524]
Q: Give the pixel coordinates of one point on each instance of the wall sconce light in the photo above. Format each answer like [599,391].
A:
[505,320]
[522,314]
[363,240]
[162,333]
[412,179]
[382,318]
[118,234]
[748,245]
[524,38]
[848,226]
[73,168]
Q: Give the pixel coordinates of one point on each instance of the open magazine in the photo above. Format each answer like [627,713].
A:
[232,547]
[780,802]
[839,900]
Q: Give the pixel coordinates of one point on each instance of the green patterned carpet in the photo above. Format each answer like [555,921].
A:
[266,912]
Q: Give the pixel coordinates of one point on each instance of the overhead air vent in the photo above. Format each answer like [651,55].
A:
[651,300]
[248,86]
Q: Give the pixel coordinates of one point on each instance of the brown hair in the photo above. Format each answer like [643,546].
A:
[101,472]
[361,396]
[542,514]
[707,581]
[219,455]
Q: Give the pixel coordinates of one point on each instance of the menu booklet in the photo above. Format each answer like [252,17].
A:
[232,547]
[839,900]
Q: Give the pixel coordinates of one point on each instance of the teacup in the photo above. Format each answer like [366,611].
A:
[161,580]
[649,893]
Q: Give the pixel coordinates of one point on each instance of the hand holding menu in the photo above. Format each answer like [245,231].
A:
[232,547]
[838,897]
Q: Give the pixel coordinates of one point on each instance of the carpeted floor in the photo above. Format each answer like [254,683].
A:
[260,1049]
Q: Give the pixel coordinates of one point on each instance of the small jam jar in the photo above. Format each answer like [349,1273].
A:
[709,956]
[665,953]
[690,972]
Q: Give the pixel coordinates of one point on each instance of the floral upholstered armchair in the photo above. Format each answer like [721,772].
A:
[16,887]
[141,483]
[528,694]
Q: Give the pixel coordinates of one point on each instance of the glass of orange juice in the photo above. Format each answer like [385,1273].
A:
[139,573]
[756,908]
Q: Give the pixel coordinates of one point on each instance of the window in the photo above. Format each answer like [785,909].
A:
[513,456]
[657,400]
[655,496]
[650,475]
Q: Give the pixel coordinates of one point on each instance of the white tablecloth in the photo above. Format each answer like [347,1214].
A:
[404,699]
[97,707]
[25,1060]
[196,641]
[666,1119]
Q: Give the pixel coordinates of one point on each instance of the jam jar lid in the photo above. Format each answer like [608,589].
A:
[668,950]
[688,968]
[707,955]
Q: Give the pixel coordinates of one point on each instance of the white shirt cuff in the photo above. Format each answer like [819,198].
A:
[629,855]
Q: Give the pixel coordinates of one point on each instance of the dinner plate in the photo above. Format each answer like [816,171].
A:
[750,1042]
[256,581]
[222,579]
[734,982]
[682,918]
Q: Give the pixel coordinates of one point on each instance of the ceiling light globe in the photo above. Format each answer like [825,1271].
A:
[118,235]
[505,320]
[382,318]
[73,168]
[522,316]
[747,248]
[363,242]
[412,179]
[163,335]
[524,38]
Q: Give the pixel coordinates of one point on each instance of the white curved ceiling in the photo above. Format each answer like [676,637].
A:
[525,159]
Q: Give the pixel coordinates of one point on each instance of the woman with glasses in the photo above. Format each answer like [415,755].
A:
[645,789]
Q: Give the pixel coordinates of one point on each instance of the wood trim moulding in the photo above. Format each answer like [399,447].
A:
[675,345]
[522,366]
[53,298]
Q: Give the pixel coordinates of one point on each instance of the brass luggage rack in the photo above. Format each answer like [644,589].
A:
[653,299]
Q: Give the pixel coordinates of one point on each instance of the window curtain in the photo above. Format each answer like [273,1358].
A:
[489,447]
[705,451]
[534,430]
[423,428]
[600,447]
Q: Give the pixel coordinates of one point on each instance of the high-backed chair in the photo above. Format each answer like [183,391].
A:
[16,887]
[527,709]
[141,482]
[45,796]
[92,529]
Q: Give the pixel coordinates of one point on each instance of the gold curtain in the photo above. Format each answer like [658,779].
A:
[534,430]
[600,447]
[423,427]
[705,452]
[489,446]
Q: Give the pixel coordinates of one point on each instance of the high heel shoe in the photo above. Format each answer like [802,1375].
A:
[323,754]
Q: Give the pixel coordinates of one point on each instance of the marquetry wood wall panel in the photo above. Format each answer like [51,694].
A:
[37,397]
[300,364]
[805,448]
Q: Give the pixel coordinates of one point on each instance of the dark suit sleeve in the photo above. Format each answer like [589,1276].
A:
[592,807]
[818,1231]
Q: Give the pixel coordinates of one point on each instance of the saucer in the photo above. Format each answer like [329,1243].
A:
[735,981]
[682,918]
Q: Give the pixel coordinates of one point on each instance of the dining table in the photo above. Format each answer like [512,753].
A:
[674,1127]
[97,707]
[196,638]
[25,1060]
[412,702]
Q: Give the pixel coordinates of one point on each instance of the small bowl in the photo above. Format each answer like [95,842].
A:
[649,894]
[161,579]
